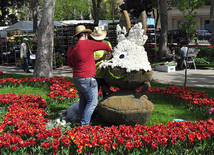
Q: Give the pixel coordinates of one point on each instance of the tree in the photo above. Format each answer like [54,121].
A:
[109,10]
[189,24]
[44,55]
[96,11]
[212,21]
[72,9]
[34,7]
[164,27]
[5,12]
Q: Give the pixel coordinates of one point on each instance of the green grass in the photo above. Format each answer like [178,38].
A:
[25,90]
[164,111]
[16,76]
[167,108]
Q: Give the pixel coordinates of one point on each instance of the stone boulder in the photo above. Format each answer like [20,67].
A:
[123,108]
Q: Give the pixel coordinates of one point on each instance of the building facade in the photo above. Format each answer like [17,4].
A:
[175,17]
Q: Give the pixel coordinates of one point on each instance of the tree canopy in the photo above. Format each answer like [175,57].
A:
[72,9]
[6,14]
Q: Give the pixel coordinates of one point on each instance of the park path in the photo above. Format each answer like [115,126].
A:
[195,78]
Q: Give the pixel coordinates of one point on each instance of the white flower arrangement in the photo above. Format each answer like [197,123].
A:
[129,52]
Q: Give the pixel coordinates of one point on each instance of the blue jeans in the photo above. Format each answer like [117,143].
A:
[26,64]
[88,95]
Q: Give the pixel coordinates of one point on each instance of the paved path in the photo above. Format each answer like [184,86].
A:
[63,71]
[196,78]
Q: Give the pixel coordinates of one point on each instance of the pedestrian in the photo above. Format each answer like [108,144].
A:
[99,56]
[183,54]
[25,53]
[81,59]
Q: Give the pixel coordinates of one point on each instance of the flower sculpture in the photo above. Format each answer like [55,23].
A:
[128,69]
[129,52]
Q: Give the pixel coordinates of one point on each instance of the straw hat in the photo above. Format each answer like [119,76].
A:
[80,29]
[98,34]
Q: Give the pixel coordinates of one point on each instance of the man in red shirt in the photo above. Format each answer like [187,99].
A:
[81,59]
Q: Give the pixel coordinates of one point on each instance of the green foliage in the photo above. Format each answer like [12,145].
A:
[205,56]
[201,61]
[189,11]
[72,9]
[106,10]
[58,59]
[7,15]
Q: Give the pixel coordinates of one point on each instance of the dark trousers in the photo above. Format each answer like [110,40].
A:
[26,64]
[102,83]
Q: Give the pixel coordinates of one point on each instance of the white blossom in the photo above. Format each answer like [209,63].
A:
[129,52]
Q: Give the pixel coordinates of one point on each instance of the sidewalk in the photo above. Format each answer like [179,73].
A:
[63,71]
[195,78]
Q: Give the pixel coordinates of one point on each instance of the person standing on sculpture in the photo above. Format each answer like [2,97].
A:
[25,53]
[99,56]
[81,59]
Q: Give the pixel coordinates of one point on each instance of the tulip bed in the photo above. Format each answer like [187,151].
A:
[24,127]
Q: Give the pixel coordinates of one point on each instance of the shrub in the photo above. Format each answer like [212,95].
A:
[205,55]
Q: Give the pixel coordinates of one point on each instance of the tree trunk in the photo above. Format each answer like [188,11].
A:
[157,19]
[96,9]
[164,27]
[112,1]
[34,6]
[144,21]
[212,21]
[186,67]
[44,55]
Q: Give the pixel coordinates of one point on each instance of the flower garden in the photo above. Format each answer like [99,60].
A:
[23,129]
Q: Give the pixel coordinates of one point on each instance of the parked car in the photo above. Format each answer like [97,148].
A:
[177,36]
[203,35]
[174,36]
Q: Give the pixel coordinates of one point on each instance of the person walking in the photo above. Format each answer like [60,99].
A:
[25,53]
[99,56]
[81,58]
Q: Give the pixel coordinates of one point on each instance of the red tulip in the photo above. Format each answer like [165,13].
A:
[14,147]
[45,144]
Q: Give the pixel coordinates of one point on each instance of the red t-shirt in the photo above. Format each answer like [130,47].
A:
[81,58]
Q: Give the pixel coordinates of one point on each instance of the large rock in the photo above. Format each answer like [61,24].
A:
[123,108]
